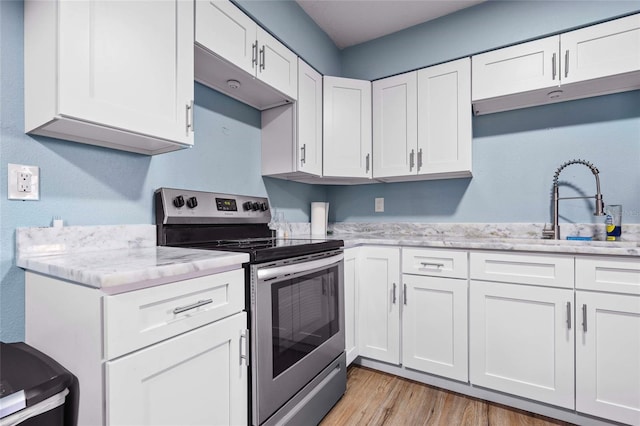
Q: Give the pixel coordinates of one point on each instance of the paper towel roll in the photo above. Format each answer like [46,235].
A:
[319,218]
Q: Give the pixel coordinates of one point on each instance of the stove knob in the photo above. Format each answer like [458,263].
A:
[192,202]
[255,206]
[178,201]
[247,205]
[264,207]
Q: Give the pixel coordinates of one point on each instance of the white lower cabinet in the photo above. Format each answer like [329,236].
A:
[379,304]
[351,303]
[522,341]
[193,379]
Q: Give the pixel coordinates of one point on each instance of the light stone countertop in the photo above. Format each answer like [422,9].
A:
[115,258]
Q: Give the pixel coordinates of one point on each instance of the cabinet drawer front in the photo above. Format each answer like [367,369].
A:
[140,318]
[607,274]
[439,263]
[551,271]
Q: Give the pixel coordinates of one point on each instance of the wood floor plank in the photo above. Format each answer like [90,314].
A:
[374,398]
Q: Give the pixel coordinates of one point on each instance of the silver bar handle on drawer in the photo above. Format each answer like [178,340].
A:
[262,61]
[393,300]
[584,318]
[303,152]
[569,315]
[411,163]
[553,67]
[404,295]
[197,304]
[244,348]
[419,159]
[432,264]
[189,120]
[566,64]
[254,54]
[367,163]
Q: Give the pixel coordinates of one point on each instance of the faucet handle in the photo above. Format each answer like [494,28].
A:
[548,233]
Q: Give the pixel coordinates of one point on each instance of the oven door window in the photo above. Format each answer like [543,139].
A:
[305,314]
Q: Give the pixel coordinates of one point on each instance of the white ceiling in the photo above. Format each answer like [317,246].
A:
[350,22]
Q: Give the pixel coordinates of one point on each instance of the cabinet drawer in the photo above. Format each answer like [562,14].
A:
[608,274]
[530,268]
[140,318]
[441,263]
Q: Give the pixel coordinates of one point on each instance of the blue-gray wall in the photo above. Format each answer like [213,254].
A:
[515,153]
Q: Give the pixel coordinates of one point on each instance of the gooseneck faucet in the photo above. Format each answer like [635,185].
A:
[554,232]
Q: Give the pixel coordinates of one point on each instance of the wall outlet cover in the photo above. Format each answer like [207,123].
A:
[23,182]
[379,206]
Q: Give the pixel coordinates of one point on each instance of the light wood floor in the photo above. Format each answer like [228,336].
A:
[376,398]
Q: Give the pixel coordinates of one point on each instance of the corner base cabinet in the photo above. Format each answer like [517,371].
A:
[170,354]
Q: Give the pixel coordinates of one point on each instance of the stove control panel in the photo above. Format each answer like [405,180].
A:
[187,206]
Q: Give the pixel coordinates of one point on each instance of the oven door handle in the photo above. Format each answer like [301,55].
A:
[297,268]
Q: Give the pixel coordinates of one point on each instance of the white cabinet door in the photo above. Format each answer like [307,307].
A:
[395,127]
[351,303]
[379,304]
[227,31]
[309,127]
[150,386]
[522,341]
[601,50]
[434,326]
[515,69]
[444,119]
[608,356]
[277,65]
[347,127]
[128,65]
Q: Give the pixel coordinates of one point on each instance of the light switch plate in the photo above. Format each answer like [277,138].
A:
[379,208]
[23,182]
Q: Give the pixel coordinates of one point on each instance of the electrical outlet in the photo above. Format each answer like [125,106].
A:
[23,182]
[379,205]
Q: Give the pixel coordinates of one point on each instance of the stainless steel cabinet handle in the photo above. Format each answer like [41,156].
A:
[411,160]
[584,318]
[393,300]
[262,61]
[254,54]
[419,159]
[566,64]
[432,264]
[199,303]
[189,118]
[367,162]
[303,152]
[404,296]
[553,67]
[244,347]
[569,315]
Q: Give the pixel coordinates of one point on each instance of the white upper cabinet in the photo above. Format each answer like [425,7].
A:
[347,128]
[422,123]
[237,57]
[114,74]
[395,126]
[591,61]
[292,134]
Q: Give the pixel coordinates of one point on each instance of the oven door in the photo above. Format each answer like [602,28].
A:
[297,324]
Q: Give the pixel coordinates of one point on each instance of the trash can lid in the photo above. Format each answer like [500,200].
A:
[28,374]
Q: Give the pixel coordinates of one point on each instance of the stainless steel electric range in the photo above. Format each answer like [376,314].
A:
[295,300]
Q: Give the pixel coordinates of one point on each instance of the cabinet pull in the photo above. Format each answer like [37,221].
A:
[262,61]
[393,300]
[244,349]
[419,159]
[569,315]
[411,160]
[367,163]
[584,318]
[197,304]
[254,54]
[566,64]
[431,265]
[303,152]
[553,67]
[189,118]
[404,295]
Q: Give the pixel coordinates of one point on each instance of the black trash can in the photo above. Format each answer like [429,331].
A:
[34,389]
